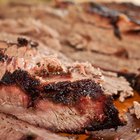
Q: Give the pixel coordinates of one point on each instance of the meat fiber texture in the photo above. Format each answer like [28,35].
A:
[41,90]
[84,36]
[50,90]
[13,129]
[135,110]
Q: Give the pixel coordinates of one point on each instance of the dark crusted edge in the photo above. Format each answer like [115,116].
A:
[112,15]
[72,91]
[28,137]
[66,93]
[112,120]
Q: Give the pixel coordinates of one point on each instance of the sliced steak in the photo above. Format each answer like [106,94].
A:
[31,60]
[61,98]
[14,129]
[87,35]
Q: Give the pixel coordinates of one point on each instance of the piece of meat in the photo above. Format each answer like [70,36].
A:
[92,31]
[63,98]
[130,9]
[90,38]
[136,109]
[113,84]
[34,28]
[117,86]
[13,129]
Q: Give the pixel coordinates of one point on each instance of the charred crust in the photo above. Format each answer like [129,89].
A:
[28,137]
[112,15]
[8,78]
[137,83]
[111,120]
[114,22]
[70,92]
[101,10]
[67,92]
[24,80]
[22,41]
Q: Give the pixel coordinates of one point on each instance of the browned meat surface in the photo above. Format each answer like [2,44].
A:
[129,132]
[48,90]
[117,86]
[13,129]
[92,39]
[32,59]
[126,8]
[136,109]
[89,35]
[41,90]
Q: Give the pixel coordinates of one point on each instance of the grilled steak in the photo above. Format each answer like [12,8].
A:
[13,129]
[40,90]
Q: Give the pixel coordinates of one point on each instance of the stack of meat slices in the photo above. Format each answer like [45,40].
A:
[14,129]
[43,91]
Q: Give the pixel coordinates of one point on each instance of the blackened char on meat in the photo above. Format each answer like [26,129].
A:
[72,102]
[90,38]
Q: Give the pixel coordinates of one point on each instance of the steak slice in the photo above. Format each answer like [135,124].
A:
[58,97]
[13,129]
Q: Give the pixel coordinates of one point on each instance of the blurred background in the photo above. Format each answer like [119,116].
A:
[133,1]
